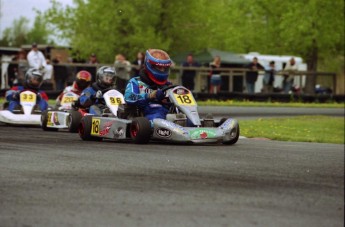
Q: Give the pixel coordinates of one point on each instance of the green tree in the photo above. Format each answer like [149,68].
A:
[312,29]
[17,34]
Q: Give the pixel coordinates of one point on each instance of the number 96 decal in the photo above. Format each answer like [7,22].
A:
[115,101]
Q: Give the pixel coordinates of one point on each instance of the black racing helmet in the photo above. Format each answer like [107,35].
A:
[106,77]
[33,78]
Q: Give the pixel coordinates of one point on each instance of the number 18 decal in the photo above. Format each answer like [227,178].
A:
[186,99]
[95,126]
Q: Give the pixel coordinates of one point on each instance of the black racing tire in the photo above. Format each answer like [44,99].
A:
[44,120]
[74,121]
[84,129]
[140,130]
[235,139]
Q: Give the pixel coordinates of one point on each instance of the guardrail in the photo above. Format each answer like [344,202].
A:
[233,78]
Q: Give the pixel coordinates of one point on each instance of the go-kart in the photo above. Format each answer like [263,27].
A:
[64,116]
[182,124]
[27,113]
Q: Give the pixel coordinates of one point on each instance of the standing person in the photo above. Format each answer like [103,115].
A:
[12,72]
[289,70]
[93,59]
[252,75]
[215,79]
[36,58]
[137,64]
[269,78]
[144,91]
[188,75]
[33,81]
[123,68]
[47,76]
[60,73]
[22,67]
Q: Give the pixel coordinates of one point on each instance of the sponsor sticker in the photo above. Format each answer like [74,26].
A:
[202,133]
[163,132]
[49,119]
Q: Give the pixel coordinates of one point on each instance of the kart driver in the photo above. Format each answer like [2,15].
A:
[145,91]
[82,81]
[32,82]
[92,97]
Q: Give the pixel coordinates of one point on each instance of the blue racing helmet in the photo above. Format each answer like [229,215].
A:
[157,66]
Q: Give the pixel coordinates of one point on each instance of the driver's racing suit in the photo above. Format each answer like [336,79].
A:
[12,96]
[89,99]
[137,93]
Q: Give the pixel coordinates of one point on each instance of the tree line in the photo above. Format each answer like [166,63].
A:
[312,29]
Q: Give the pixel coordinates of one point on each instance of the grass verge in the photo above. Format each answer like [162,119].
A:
[269,104]
[319,129]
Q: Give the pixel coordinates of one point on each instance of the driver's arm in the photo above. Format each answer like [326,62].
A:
[133,96]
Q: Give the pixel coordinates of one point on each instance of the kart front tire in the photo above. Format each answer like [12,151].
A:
[140,130]
[44,120]
[235,139]
[74,121]
[84,129]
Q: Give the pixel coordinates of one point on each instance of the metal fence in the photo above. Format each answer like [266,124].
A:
[233,79]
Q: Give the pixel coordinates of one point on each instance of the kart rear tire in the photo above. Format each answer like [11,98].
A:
[234,140]
[84,129]
[74,121]
[44,120]
[140,130]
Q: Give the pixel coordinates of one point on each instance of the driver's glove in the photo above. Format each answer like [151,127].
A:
[38,97]
[157,94]
[98,95]
[15,95]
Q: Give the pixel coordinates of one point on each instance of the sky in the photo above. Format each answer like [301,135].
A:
[13,9]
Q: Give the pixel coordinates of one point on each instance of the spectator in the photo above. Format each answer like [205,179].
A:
[93,59]
[22,67]
[252,75]
[12,72]
[215,79]
[60,73]
[137,64]
[188,75]
[36,58]
[47,76]
[122,68]
[71,72]
[269,78]
[91,69]
[289,70]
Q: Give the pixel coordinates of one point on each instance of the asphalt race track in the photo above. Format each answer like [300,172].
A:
[56,179]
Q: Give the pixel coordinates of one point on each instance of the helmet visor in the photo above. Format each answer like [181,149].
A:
[108,78]
[35,80]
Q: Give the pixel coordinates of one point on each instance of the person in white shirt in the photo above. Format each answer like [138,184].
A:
[36,58]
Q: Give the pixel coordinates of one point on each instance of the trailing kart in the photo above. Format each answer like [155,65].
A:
[64,116]
[182,124]
[27,113]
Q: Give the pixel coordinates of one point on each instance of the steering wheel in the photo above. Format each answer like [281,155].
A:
[169,87]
